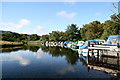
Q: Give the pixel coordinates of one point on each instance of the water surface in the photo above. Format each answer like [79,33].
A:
[46,62]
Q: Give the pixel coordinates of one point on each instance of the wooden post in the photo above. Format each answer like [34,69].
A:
[88,44]
[92,52]
[88,69]
[88,56]
[118,60]
[118,56]
[98,55]
[92,56]
[118,45]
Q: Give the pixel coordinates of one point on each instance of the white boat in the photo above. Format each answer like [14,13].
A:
[113,44]
[84,52]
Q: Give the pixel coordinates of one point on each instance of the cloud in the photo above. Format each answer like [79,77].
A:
[98,14]
[25,22]
[66,14]
[66,70]
[22,61]
[12,26]
[40,30]
[9,26]
[38,55]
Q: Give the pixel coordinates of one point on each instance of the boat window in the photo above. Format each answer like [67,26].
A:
[114,40]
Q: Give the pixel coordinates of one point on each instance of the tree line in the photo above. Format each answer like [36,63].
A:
[93,30]
[16,37]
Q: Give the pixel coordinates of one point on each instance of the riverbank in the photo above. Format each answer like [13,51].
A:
[10,44]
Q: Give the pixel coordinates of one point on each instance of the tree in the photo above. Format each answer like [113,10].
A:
[54,36]
[115,18]
[44,38]
[110,28]
[83,33]
[11,36]
[92,30]
[72,33]
[117,21]
[34,37]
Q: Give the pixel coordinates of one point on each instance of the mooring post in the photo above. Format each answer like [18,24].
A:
[118,45]
[92,52]
[98,54]
[88,52]
[118,60]
[88,56]
[88,44]
[92,56]
[118,56]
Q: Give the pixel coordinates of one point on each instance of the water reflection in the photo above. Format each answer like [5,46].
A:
[37,55]
[13,57]
[45,61]
[17,48]
[104,63]
[70,55]
[66,69]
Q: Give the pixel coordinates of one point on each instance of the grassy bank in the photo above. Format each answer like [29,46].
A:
[5,44]
[10,44]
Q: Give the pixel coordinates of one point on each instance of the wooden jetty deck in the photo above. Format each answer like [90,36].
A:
[107,70]
[102,46]
[98,47]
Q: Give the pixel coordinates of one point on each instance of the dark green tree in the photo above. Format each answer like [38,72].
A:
[110,28]
[44,38]
[72,33]
[54,36]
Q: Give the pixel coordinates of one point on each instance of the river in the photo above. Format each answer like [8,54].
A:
[46,62]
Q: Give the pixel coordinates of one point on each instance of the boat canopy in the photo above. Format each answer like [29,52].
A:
[113,39]
[75,43]
[85,45]
[66,42]
[93,40]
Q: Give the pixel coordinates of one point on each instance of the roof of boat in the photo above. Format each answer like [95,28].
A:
[114,36]
[93,40]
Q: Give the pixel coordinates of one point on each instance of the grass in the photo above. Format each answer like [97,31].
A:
[10,43]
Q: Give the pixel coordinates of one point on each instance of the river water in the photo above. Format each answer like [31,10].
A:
[46,62]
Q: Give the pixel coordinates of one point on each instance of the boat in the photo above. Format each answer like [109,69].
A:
[77,44]
[85,45]
[68,44]
[113,44]
[84,52]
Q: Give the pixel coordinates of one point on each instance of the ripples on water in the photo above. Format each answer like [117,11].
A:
[48,62]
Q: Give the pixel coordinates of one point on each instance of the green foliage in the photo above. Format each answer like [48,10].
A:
[92,30]
[33,37]
[54,36]
[96,30]
[15,37]
[82,33]
[44,38]
[115,17]
[110,28]
[72,33]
